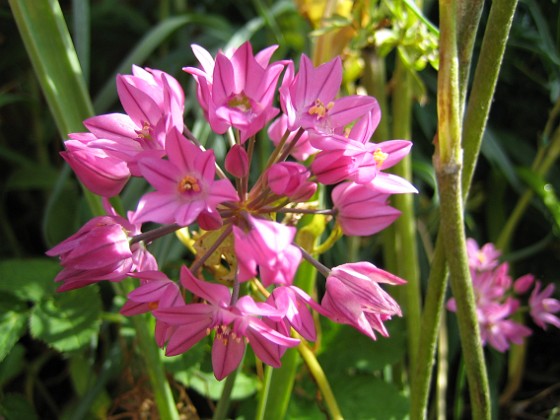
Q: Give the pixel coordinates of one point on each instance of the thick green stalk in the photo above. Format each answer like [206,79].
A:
[469,18]
[405,225]
[484,83]
[448,163]
[429,328]
[473,127]
[48,44]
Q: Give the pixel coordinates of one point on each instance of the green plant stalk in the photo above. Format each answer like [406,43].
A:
[473,127]
[468,21]
[225,399]
[321,380]
[429,328]
[48,44]
[405,226]
[484,83]
[448,164]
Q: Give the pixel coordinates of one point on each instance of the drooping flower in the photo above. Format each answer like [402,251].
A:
[100,172]
[237,90]
[353,296]
[156,291]
[361,210]
[185,186]
[353,157]
[153,101]
[543,306]
[267,246]
[98,251]
[234,326]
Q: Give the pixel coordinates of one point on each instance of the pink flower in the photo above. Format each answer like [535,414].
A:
[185,186]
[353,296]
[237,90]
[361,210]
[292,303]
[156,291]
[101,173]
[268,246]
[291,179]
[234,325]
[482,259]
[353,157]
[237,161]
[495,327]
[154,102]
[543,306]
[302,149]
[308,98]
[98,251]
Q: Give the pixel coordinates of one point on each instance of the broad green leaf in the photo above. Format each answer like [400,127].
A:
[69,320]
[206,384]
[16,407]
[29,279]
[32,177]
[13,364]
[185,365]
[147,45]
[13,319]
[364,354]
[48,44]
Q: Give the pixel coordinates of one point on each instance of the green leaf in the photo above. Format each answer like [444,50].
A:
[12,365]
[206,384]
[147,45]
[16,407]
[364,354]
[13,319]
[32,177]
[365,397]
[29,279]
[69,320]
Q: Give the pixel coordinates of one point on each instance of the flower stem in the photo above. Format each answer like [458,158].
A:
[448,163]
[320,379]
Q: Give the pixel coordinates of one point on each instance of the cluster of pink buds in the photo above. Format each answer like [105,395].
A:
[246,224]
[497,298]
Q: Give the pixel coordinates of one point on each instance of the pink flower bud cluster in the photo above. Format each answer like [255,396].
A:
[498,298]
[318,138]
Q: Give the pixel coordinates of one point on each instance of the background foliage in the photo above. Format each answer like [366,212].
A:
[70,356]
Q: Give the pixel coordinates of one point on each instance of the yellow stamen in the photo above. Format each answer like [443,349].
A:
[241,102]
[319,109]
[188,183]
[379,157]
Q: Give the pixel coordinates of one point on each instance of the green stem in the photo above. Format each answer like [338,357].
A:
[448,163]
[225,399]
[484,83]
[321,380]
[150,353]
[469,19]
[405,225]
[429,328]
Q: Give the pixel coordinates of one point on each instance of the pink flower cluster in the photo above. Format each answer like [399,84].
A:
[318,138]
[497,298]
